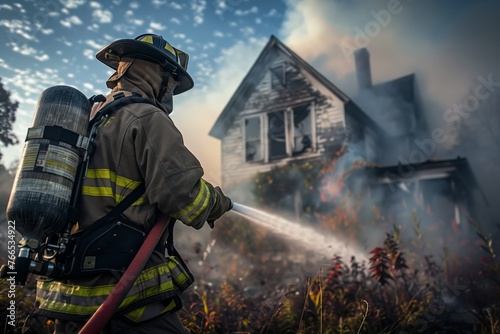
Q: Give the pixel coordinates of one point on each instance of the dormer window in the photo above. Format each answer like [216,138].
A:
[278,75]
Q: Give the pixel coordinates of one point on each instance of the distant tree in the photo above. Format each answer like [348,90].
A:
[7,118]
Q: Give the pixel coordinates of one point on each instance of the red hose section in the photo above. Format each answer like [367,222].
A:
[104,313]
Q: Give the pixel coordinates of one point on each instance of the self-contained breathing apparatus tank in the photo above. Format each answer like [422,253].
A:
[43,190]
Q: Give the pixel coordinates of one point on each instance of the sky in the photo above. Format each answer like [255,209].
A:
[451,45]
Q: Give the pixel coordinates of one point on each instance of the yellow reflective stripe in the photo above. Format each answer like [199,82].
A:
[147,39]
[65,307]
[119,198]
[116,179]
[204,206]
[178,275]
[170,49]
[192,211]
[77,300]
[169,306]
[137,314]
[97,191]
[100,292]
[56,306]
[104,290]
[106,191]
[166,286]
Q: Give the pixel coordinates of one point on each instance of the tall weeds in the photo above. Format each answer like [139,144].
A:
[400,289]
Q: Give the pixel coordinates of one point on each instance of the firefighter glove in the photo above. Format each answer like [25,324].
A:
[222,205]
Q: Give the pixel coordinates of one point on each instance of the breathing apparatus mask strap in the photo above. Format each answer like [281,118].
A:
[169,81]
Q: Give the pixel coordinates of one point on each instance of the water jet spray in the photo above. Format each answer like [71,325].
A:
[322,244]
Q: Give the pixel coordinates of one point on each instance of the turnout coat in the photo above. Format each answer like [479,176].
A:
[137,143]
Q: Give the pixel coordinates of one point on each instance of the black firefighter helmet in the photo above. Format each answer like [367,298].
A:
[149,47]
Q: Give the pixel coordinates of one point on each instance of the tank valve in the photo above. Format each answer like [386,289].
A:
[25,264]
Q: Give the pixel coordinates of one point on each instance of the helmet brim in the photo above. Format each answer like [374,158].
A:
[112,53]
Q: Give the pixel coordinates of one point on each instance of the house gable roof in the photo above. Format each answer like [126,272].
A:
[257,72]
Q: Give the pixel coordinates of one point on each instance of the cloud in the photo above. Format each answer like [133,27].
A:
[247,31]
[70,21]
[125,28]
[30,51]
[131,17]
[72,3]
[43,57]
[175,20]
[175,5]
[220,7]
[209,46]
[253,10]
[88,86]
[198,19]
[218,34]
[102,16]
[137,22]
[93,44]
[18,28]
[157,26]
[134,5]
[45,31]
[7,7]
[198,7]
[95,4]
[272,13]
[158,3]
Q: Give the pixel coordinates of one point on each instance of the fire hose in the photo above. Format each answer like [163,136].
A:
[104,313]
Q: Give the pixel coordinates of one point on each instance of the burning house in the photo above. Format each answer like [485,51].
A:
[285,111]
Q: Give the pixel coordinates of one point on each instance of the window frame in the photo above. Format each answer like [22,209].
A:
[312,113]
[262,145]
[289,132]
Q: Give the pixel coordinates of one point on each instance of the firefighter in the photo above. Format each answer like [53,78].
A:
[138,144]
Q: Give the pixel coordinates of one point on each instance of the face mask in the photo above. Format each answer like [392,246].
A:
[120,71]
[167,100]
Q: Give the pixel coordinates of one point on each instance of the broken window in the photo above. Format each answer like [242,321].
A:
[253,143]
[302,129]
[279,134]
[276,135]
